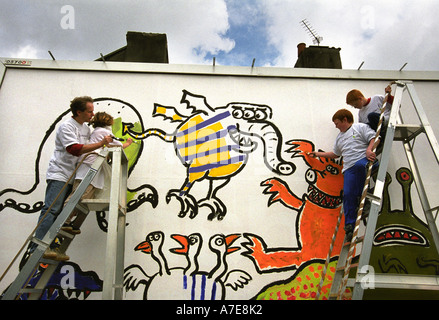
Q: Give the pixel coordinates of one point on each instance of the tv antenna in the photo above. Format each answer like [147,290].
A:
[316,39]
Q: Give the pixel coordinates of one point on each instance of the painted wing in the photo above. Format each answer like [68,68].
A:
[237,279]
[197,103]
[168,112]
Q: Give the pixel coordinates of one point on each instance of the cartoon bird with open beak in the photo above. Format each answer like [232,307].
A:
[191,247]
[186,283]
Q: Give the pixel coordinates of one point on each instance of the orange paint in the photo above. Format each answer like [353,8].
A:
[318,212]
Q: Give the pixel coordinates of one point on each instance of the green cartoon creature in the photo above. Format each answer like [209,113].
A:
[402,244]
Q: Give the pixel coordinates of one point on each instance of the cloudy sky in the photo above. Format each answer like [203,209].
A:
[384,34]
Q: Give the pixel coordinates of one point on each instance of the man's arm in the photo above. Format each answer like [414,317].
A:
[330,154]
[389,99]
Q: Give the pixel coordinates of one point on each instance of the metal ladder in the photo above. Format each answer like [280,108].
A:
[115,247]
[396,131]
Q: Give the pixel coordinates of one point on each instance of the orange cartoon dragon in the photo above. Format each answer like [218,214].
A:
[318,212]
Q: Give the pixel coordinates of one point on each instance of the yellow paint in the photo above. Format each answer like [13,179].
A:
[200,133]
[210,145]
[224,171]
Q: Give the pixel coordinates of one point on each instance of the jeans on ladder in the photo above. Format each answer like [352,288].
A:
[354,179]
[52,190]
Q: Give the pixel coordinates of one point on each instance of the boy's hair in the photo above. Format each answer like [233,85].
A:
[353,96]
[343,113]
[79,104]
[101,119]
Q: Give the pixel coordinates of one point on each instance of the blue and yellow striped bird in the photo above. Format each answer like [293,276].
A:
[214,144]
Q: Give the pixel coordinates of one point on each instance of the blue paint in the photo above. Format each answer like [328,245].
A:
[203,287]
[193,288]
[213,291]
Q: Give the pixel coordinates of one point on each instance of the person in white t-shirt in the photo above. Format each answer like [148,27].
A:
[70,142]
[354,143]
[101,123]
[370,108]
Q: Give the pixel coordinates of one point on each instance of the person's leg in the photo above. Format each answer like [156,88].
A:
[354,178]
[75,186]
[373,119]
[350,198]
[88,194]
[52,190]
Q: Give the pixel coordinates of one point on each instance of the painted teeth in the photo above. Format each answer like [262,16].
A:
[323,199]
[245,142]
[76,294]
[398,235]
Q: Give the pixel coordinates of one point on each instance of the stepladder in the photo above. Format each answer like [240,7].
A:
[36,272]
[353,270]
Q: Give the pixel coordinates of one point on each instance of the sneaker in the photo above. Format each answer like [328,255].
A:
[61,256]
[49,254]
[55,254]
[70,229]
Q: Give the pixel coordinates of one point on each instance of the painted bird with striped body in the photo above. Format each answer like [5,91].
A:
[214,144]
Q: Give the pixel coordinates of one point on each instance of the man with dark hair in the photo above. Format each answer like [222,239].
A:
[70,142]
[354,143]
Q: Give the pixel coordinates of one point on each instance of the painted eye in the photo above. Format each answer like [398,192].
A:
[237,113]
[219,241]
[311,176]
[260,115]
[405,176]
[249,114]
[332,170]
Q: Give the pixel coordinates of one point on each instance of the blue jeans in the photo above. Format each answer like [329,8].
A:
[374,119]
[52,190]
[353,185]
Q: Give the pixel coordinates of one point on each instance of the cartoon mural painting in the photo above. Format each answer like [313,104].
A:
[400,232]
[145,193]
[186,283]
[123,111]
[136,196]
[21,205]
[224,256]
[402,244]
[85,283]
[214,143]
[318,213]
[303,284]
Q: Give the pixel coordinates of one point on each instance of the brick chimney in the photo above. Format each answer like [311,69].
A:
[141,47]
[317,57]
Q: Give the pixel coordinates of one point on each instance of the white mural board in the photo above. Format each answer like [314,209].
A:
[33,98]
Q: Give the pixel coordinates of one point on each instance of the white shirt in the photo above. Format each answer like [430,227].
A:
[99,180]
[374,105]
[352,144]
[62,163]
